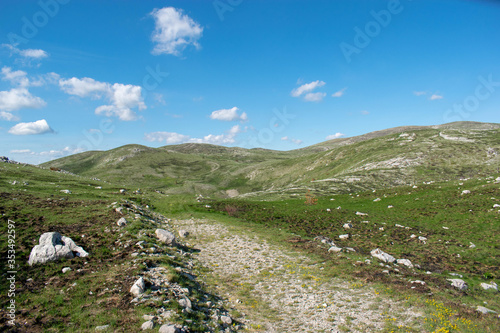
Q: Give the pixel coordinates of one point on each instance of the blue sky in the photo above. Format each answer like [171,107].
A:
[95,75]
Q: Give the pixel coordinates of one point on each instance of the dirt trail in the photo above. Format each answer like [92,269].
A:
[276,290]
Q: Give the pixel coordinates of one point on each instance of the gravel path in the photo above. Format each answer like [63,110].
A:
[276,290]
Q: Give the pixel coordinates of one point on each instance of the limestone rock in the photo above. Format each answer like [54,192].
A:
[138,287]
[52,246]
[168,328]
[335,249]
[66,191]
[484,310]
[165,236]
[405,262]
[385,257]
[458,283]
[347,226]
[102,328]
[487,286]
[465,192]
[121,222]
[226,320]
[183,233]
[346,236]
[66,269]
[185,303]
[361,214]
[148,325]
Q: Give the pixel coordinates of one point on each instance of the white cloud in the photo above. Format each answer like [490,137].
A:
[22,151]
[37,127]
[435,97]
[335,136]
[64,152]
[228,115]
[365,113]
[28,53]
[339,93]
[18,78]
[176,138]
[296,141]
[314,97]
[8,116]
[167,137]
[419,93]
[84,87]
[174,31]
[18,98]
[308,87]
[123,97]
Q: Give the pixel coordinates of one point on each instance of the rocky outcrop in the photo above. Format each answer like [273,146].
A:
[165,236]
[53,246]
[385,257]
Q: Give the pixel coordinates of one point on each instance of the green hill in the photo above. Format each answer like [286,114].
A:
[391,157]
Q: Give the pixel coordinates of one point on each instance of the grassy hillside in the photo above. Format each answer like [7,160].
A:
[391,157]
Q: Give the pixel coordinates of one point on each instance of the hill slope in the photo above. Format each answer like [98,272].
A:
[396,156]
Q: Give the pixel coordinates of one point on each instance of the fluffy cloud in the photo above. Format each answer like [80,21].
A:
[37,127]
[84,87]
[419,93]
[339,93]
[64,152]
[8,116]
[18,78]
[314,97]
[18,98]
[176,138]
[228,115]
[123,97]
[296,141]
[170,138]
[435,97]
[174,31]
[28,53]
[335,136]
[308,87]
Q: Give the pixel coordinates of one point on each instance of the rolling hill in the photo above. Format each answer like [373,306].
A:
[391,157]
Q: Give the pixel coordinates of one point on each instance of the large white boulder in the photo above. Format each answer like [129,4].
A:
[385,257]
[458,283]
[165,236]
[138,287]
[53,246]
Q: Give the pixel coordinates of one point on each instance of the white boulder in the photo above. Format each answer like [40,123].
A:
[121,222]
[165,236]
[458,283]
[53,246]
[405,262]
[381,255]
[487,286]
[138,287]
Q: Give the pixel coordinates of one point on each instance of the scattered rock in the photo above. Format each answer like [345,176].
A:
[346,236]
[52,246]
[102,328]
[335,249]
[66,269]
[472,245]
[148,325]
[347,226]
[226,320]
[484,310]
[487,286]
[66,191]
[185,303]
[168,328]
[122,191]
[405,262]
[165,236]
[465,192]
[458,283]
[376,200]
[390,206]
[183,233]
[385,257]
[138,287]
[496,206]
[122,222]
[119,210]
[361,214]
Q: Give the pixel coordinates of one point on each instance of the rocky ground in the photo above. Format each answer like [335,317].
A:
[272,289]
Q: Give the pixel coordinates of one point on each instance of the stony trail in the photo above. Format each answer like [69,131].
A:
[273,289]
